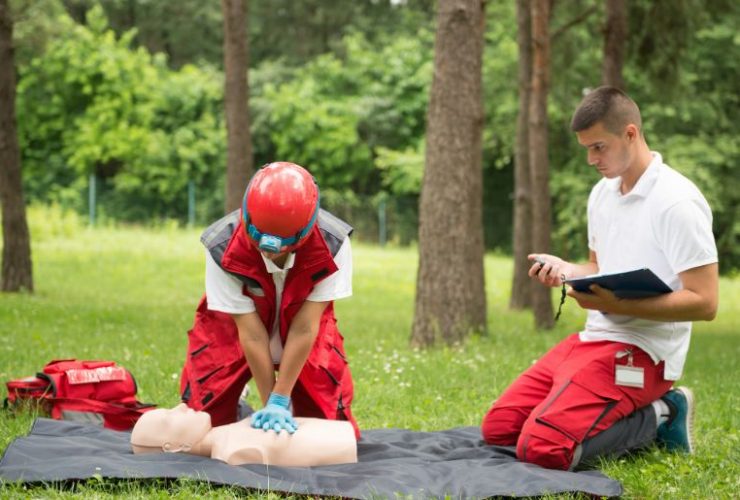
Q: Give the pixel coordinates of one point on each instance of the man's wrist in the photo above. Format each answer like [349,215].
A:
[279,400]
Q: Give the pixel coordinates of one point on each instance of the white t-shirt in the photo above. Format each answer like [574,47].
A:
[224,291]
[665,224]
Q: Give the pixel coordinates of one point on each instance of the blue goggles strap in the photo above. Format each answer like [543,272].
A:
[257,236]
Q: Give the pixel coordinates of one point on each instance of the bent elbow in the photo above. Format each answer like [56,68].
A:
[710,312]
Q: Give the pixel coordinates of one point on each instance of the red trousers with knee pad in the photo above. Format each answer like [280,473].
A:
[568,396]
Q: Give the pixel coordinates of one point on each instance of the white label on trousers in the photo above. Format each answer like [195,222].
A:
[631,376]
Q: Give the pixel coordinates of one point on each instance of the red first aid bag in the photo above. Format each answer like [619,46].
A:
[99,392]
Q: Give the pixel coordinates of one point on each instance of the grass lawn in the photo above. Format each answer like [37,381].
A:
[129,295]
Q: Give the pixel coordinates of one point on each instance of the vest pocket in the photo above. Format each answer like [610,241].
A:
[330,375]
[198,350]
[339,353]
[208,375]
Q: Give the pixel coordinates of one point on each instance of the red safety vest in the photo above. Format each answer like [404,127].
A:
[216,370]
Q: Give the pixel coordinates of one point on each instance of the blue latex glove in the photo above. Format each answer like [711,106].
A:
[275,415]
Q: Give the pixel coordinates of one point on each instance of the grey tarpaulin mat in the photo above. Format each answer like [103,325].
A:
[421,464]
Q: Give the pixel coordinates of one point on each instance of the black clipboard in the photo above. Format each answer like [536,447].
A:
[636,284]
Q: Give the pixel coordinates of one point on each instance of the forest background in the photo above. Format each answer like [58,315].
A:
[129,95]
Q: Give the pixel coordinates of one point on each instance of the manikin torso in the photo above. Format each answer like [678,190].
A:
[316,442]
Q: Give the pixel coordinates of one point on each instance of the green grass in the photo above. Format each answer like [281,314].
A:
[129,295]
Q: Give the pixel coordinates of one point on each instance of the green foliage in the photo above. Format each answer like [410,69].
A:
[186,31]
[91,104]
[356,119]
[129,295]
[296,32]
[319,133]
[345,93]
[187,143]
[336,113]
[402,171]
[34,24]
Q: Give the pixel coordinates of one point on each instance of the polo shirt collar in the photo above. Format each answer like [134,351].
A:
[273,268]
[646,181]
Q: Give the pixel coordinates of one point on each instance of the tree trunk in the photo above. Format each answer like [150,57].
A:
[450,293]
[17,272]
[539,166]
[477,248]
[522,285]
[239,163]
[615,42]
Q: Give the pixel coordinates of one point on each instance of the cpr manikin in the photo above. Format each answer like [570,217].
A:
[182,429]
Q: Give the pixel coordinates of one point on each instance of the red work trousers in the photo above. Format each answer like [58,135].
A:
[568,396]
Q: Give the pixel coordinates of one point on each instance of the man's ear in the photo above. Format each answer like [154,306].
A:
[632,132]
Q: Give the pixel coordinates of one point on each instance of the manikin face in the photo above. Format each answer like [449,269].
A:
[610,153]
[172,430]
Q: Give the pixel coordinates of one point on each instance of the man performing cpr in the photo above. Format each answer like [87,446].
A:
[273,270]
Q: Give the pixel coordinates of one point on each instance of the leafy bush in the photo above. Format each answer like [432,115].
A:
[92,105]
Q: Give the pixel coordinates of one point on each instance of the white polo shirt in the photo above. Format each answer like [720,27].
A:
[224,291]
[665,224]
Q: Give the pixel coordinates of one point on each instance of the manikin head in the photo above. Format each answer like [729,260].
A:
[170,430]
[608,124]
[280,207]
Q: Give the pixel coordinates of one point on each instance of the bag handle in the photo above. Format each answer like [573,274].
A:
[103,406]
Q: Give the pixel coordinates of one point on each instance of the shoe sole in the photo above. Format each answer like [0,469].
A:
[689,395]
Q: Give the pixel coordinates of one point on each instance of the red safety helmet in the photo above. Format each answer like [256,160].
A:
[280,206]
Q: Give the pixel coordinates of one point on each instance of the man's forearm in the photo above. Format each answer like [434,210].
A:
[260,364]
[580,270]
[297,348]
[681,305]
[256,346]
[696,301]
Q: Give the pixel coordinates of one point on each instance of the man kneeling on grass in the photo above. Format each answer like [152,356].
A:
[606,390]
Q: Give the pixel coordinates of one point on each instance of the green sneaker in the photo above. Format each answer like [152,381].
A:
[677,434]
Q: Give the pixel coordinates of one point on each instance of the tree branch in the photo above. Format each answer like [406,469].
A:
[576,20]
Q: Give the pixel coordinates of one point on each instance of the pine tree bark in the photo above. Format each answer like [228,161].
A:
[239,162]
[521,284]
[615,43]
[450,292]
[17,270]
[477,248]
[539,164]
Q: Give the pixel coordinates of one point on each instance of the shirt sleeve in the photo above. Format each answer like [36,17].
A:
[224,291]
[338,285]
[686,233]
